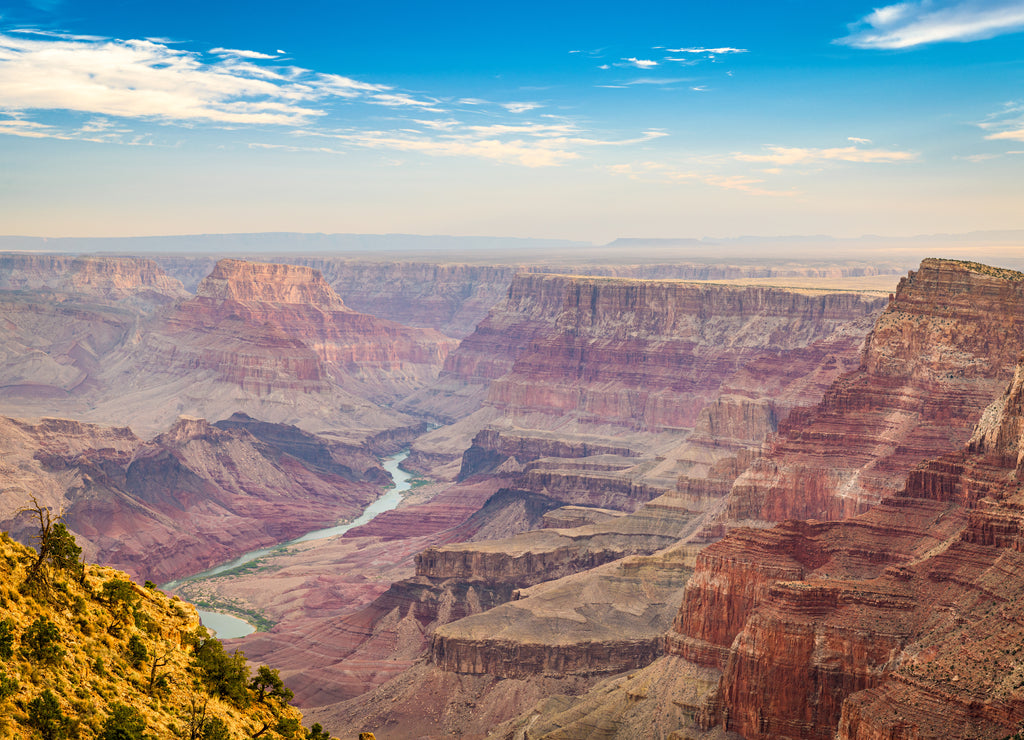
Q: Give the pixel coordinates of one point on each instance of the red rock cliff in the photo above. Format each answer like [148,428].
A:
[902,622]
[941,351]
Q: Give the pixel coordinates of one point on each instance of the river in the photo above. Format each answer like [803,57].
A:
[226,626]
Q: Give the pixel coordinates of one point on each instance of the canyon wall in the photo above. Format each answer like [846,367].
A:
[939,353]
[271,340]
[899,622]
[194,496]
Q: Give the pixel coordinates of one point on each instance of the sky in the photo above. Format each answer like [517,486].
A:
[577,120]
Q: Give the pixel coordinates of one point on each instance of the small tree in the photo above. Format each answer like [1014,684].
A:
[225,675]
[45,716]
[316,732]
[158,681]
[57,548]
[216,729]
[118,592]
[6,638]
[8,686]
[124,723]
[41,642]
[267,683]
[137,653]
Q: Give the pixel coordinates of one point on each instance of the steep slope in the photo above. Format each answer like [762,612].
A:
[900,622]
[85,652]
[941,351]
[192,497]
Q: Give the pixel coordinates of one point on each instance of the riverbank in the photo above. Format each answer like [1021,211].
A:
[229,623]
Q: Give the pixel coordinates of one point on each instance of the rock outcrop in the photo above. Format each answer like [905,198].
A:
[901,622]
[937,356]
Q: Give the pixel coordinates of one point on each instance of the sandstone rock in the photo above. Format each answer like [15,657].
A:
[939,354]
[896,623]
[190,498]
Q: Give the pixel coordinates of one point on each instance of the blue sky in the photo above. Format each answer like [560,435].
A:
[579,120]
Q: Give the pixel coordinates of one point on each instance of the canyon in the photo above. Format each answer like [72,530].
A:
[650,505]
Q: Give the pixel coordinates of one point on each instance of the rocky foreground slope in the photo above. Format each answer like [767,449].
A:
[87,653]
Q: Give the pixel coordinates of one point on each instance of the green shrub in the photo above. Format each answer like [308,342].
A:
[6,639]
[45,716]
[41,642]
[137,652]
[8,686]
[124,723]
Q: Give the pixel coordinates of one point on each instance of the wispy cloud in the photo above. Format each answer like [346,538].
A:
[641,63]
[528,144]
[146,79]
[520,107]
[708,51]
[667,173]
[783,155]
[909,24]
[242,53]
[1006,124]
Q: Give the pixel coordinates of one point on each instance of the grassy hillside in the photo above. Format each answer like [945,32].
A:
[85,653]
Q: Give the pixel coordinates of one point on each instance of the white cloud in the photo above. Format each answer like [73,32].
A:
[909,24]
[146,79]
[641,63]
[782,155]
[241,53]
[704,50]
[399,100]
[858,140]
[520,107]
[1006,124]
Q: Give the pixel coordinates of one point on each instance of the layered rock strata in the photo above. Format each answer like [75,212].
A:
[191,498]
[940,352]
[274,341]
[898,623]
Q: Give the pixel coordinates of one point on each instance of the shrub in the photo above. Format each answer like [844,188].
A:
[137,653]
[45,716]
[8,686]
[215,729]
[124,723]
[225,675]
[6,638]
[41,642]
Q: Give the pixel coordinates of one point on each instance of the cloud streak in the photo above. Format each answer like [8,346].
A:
[528,144]
[910,24]
[783,155]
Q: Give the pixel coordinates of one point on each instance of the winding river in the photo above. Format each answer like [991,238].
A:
[226,626]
